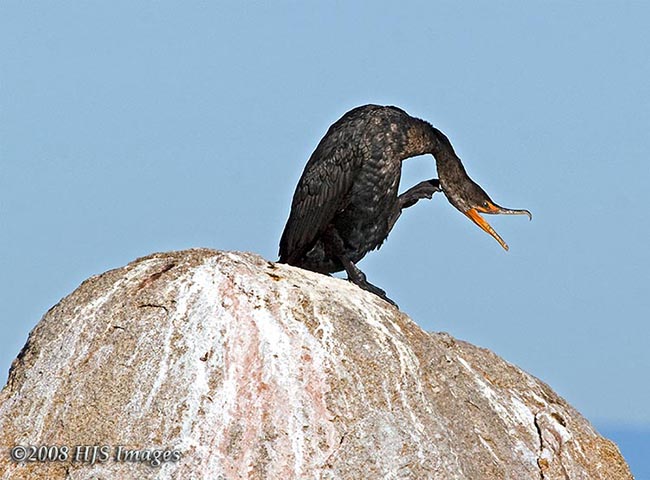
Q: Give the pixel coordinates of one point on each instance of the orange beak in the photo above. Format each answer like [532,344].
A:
[473,215]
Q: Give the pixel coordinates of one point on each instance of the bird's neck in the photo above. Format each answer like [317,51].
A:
[450,168]
[423,138]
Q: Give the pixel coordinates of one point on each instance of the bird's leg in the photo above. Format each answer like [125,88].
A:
[356,276]
[424,189]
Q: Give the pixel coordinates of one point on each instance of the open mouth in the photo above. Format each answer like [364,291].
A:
[490,208]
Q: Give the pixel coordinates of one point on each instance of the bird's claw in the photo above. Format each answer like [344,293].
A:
[369,287]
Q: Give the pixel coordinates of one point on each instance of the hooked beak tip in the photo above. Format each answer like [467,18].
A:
[495,209]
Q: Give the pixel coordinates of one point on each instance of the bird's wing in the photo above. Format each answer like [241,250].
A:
[322,191]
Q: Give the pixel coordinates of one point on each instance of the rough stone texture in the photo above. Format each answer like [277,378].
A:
[255,370]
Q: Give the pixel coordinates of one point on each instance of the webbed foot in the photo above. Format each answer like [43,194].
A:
[357,277]
[424,189]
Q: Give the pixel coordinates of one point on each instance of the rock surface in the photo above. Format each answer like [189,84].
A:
[240,368]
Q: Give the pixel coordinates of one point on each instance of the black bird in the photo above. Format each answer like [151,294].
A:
[347,201]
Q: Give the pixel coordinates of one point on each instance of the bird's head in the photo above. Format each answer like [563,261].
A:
[471,199]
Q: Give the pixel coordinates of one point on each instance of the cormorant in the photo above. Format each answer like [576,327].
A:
[347,201]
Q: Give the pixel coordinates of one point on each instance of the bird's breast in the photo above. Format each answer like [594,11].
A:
[363,224]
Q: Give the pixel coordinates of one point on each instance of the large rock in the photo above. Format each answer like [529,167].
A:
[240,368]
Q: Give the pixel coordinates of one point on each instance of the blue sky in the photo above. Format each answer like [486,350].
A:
[129,128]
